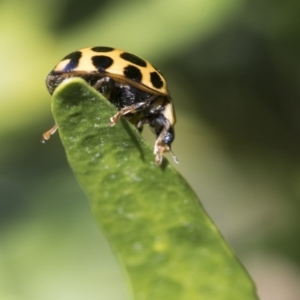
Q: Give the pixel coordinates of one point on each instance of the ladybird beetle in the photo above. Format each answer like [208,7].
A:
[137,89]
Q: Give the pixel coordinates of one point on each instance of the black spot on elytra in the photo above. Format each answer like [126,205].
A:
[133,59]
[156,80]
[133,73]
[74,60]
[102,62]
[102,49]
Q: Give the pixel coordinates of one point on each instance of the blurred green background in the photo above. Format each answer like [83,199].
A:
[233,71]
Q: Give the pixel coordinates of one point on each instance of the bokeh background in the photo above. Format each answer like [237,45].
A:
[233,71]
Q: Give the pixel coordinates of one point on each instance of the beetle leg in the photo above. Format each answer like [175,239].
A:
[48,133]
[165,136]
[104,86]
[126,110]
[141,123]
[132,108]
[160,147]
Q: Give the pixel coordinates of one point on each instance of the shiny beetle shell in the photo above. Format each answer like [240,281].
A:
[117,63]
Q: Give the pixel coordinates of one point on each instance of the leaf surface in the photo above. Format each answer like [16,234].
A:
[166,244]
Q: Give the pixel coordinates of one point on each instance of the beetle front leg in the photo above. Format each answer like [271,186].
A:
[160,147]
[165,136]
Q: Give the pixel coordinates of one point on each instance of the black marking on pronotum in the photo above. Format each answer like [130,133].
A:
[102,62]
[156,80]
[133,73]
[74,61]
[102,49]
[133,59]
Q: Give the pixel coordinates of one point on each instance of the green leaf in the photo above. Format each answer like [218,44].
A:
[167,245]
